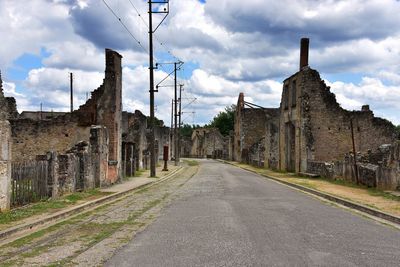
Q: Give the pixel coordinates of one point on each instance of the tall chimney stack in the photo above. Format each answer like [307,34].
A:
[304,46]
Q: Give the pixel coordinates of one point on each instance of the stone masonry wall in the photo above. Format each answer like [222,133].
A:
[271,140]
[208,142]
[31,138]
[253,126]
[314,126]
[134,128]
[330,124]
[5,165]
[161,135]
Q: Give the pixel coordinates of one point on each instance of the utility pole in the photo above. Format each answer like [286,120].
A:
[71,80]
[151,68]
[172,127]
[152,141]
[180,121]
[354,150]
[176,118]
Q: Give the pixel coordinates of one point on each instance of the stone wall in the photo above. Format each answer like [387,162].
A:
[82,167]
[99,143]
[105,108]
[208,143]
[134,130]
[252,125]
[33,136]
[380,169]
[315,127]
[271,139]
[5,165]
[256,155]
[186,146]
[161,135]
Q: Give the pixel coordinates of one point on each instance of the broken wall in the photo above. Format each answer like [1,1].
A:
[161,135]
[252,125]
[208,142]
[271,139]
[5,165]
[134,130]
[315,127]
[33,136]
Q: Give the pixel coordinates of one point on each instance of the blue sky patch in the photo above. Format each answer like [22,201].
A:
[26,62]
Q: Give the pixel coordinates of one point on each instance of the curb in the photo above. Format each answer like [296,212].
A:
[80,208]
[341,201]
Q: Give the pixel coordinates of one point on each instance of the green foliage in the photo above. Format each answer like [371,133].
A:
[48,206]
[187,129]
[225,120]
[398,131]
[157,122]
[192,162]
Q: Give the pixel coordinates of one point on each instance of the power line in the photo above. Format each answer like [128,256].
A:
[147,25]
[126,28]
[137,11]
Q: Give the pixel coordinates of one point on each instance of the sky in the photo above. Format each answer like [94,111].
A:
[228,46]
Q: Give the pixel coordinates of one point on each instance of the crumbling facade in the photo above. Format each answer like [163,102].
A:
[311,133]
[63,152]
[5,164]
[208,143]
[135,131]
[251,124]
[5,151]
[59,132]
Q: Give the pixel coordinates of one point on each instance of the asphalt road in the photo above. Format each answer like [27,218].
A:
[225,216]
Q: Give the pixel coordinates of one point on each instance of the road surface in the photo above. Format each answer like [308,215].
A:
[225,216]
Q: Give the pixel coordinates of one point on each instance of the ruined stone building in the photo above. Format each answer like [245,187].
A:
[252,122]
[32,136]
[93,146]
[309,130]
[136,132]
[208,143]
[5,149]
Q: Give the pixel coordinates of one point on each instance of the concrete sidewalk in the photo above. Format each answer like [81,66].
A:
[34,223]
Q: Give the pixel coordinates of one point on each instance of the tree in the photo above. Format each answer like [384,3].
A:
[225,120]
[187,129]
[157,122]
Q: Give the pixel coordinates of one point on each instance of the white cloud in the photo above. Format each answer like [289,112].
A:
[239,46]
[383,99]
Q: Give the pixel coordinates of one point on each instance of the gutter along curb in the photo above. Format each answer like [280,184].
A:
[370,211]
[59,216]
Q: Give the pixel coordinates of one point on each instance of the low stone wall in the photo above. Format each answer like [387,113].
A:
[385,175]
[5,165]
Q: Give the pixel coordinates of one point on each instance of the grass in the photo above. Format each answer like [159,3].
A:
[51,205]
[192,162]
[139,172]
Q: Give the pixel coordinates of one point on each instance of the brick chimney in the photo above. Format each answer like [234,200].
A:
[240,104]
[304,46]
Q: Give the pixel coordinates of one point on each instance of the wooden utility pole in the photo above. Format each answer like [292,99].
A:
[71,81]
[354,150]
